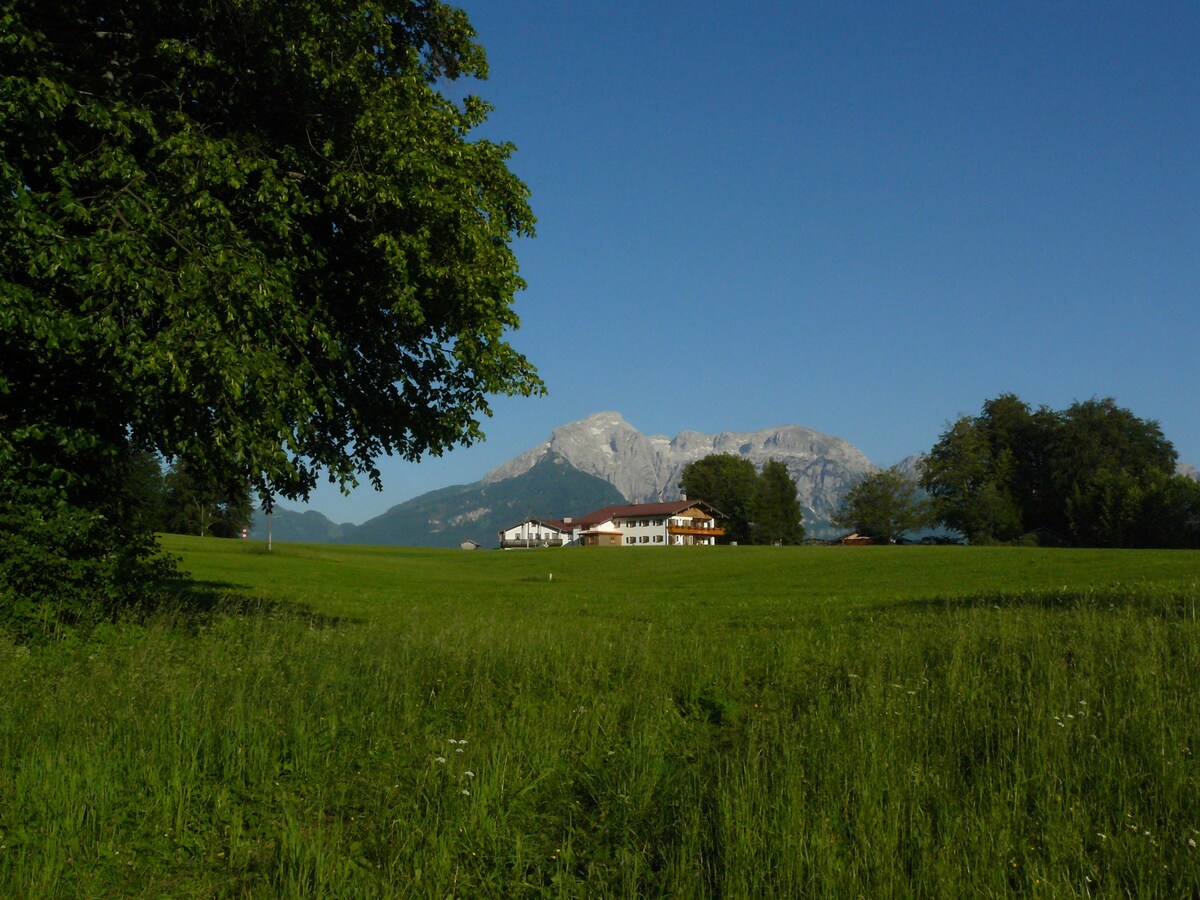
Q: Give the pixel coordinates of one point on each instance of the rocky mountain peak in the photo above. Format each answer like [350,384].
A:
[644,468]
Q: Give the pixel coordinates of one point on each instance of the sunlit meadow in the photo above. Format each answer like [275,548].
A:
[728,722]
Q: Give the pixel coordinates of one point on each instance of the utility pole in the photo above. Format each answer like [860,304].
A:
[268,504]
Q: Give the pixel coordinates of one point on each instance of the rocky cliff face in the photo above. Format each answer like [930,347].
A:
[643,467]
[912,466]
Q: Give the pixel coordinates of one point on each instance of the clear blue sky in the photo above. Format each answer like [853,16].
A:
[862,218]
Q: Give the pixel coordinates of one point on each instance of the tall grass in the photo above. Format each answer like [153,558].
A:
[929,723]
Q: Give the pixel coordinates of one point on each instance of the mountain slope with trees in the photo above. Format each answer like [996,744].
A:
[478,511]
[451,515]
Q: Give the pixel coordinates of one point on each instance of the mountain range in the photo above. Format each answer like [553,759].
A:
[595,462]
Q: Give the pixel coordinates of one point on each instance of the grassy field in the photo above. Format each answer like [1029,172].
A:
[728,722]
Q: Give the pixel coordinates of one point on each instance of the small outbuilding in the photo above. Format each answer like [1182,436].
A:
[854,539]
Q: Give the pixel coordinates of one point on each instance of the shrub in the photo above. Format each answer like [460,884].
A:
[64,566]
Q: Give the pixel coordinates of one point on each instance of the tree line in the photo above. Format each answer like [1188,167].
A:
[1091,475]
[755,508]
[176,501]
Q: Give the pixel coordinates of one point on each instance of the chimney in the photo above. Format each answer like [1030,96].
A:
[567,520]
[683,495]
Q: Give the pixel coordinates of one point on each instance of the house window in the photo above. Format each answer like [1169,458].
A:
[658,539]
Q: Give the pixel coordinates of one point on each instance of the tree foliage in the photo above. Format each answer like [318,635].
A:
[204,508]
[1093,474]
[885,505]
[777,513]
[253,236]
[728,482]
[754,508]
[73,552]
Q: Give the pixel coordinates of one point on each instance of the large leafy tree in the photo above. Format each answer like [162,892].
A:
[1093,474]
[728,482]
[1104,460]
[252,235]
[974,472]
[777,512]
[885,505]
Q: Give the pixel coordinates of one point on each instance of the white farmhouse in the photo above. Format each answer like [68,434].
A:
[536,533]
[674,524]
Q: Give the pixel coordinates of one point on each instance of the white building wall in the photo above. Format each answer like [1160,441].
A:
[646,531]
[532,531]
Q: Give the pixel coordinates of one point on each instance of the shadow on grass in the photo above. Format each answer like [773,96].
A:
[1150,600]
[190,604]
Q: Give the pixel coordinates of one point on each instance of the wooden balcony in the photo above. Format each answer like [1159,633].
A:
[695,530]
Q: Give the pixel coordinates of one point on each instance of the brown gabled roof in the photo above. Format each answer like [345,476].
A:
[632,510]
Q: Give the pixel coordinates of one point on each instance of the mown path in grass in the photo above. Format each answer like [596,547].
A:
[326,721]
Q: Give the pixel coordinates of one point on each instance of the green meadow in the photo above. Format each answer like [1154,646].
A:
[689,722]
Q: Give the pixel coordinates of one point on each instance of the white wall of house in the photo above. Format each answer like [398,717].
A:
[532,531]
[644,531]
[654,531]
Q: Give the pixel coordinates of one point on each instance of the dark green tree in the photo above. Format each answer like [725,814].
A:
[1170,513]
[729,483]
[145,487]
[1086,476]
[777,513]
[1103,462]
[252,236]
[205,508]
[970,483]
[885,505]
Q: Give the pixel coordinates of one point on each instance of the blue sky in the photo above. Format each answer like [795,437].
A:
[862,218]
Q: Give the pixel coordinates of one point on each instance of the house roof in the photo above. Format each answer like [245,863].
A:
[633,510]
[556,524]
